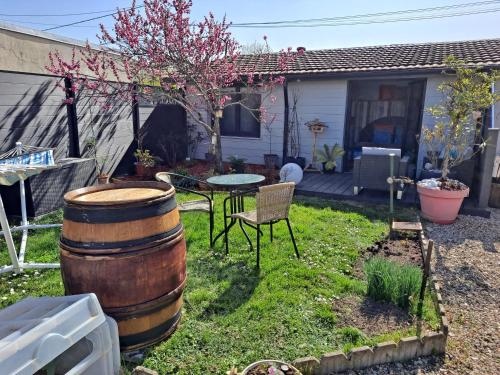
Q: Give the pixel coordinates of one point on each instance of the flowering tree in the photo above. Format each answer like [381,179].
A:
[169,56]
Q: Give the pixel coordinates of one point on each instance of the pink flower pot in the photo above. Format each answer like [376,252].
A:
[441,206]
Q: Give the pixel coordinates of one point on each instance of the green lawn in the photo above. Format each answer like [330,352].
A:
[235,314]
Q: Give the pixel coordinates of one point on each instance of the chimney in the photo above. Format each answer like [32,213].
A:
[301,49]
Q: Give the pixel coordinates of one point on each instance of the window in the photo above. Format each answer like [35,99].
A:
[242,120]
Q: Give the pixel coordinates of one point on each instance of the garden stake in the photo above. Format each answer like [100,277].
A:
[425,276]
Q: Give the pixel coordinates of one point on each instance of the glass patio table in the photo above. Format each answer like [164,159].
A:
[238,184]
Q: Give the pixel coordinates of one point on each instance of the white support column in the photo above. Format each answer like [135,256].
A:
[9,240]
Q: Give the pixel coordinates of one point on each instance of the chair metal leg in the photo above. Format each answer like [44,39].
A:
[211,227]
[271,230]
[293,239]
[258,246]
[226,244]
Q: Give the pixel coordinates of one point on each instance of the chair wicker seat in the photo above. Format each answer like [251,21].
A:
[196,205]
[272,204]
[248,216]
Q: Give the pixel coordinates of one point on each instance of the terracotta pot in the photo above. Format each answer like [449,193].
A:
[441,206]
[144,171]
[271,160]
[102,179]
[270,362]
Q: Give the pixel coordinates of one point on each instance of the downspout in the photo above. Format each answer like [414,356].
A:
[493,107]
[285,123]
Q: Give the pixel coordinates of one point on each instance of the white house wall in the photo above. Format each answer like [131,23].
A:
[324,100]
[253,149]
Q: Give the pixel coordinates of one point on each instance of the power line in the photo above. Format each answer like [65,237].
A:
[43,24]
[358,19]
[368,15]
[373,21]
[88,19]
[56,15]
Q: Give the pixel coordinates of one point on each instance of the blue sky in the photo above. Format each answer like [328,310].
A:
[446,29]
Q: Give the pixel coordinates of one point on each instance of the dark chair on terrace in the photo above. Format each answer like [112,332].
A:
[184,183]
[272,205]
[372,168]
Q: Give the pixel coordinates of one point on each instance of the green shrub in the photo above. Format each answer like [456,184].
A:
[392,282]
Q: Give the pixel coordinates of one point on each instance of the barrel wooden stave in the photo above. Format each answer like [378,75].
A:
[131,253]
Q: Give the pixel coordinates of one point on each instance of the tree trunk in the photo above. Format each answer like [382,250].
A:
[446,162]
[219,167]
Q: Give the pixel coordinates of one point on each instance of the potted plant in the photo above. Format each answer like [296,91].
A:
[270,367]
[236,165]
[270,160]
[91,146]
[454,137]
[494,200]
[144,167]
[328,157]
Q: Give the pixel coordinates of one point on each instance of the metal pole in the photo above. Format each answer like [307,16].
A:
[24,215]
[8,238]
[391,185]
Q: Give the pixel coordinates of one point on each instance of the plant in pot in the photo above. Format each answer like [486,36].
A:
[328,157]
[144,167]
[236,164]
[270,367]
[270,160]
[454,137]
[91,146]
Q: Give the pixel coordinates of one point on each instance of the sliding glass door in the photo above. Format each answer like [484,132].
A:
[383,113]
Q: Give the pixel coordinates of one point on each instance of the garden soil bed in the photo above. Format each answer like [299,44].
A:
[403,249]
[369,316]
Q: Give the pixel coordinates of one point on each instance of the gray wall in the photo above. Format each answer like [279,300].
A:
[32,112]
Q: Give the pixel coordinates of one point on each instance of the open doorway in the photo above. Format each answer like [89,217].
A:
[383,113]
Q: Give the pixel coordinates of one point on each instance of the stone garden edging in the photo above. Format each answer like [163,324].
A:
[385,352]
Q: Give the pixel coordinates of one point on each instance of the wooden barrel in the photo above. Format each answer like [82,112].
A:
[125,243]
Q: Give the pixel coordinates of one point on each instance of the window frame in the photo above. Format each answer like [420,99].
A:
[237,97]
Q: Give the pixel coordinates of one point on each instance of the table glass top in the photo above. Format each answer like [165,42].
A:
[236,179]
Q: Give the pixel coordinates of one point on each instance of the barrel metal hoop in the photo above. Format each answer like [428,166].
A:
[136,311]
[106,246]
[150,336]
[108,215]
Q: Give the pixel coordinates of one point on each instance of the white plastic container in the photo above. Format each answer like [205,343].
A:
[70,334]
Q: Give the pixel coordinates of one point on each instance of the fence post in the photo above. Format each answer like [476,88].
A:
[73,139]
[486,165]
[135,115]
[286,125]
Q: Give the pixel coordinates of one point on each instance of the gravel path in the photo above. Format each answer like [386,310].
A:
[467,263]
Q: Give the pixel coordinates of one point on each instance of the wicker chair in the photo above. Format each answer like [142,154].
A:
[205,204]
[372,169]
[272,205]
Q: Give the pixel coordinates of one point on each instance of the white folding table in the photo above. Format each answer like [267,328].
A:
[10,173]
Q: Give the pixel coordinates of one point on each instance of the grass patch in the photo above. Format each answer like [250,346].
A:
[392,282]
[235,314]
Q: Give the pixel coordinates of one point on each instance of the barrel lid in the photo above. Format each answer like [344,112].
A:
[120,193]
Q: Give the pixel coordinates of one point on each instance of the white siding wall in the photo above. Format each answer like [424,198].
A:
[325,100]
[253,149]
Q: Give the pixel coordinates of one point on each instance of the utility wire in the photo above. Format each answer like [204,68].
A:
[57,15]
[372,21]
[367,15]
[359,19]
[88,19]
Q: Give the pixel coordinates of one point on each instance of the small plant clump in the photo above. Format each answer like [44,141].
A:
[237,165]
[391,281]
[145,158]
[272,369]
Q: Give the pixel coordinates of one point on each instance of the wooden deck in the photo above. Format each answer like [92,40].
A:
[339,186]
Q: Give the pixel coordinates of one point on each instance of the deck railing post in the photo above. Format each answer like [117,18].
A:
[74,141]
